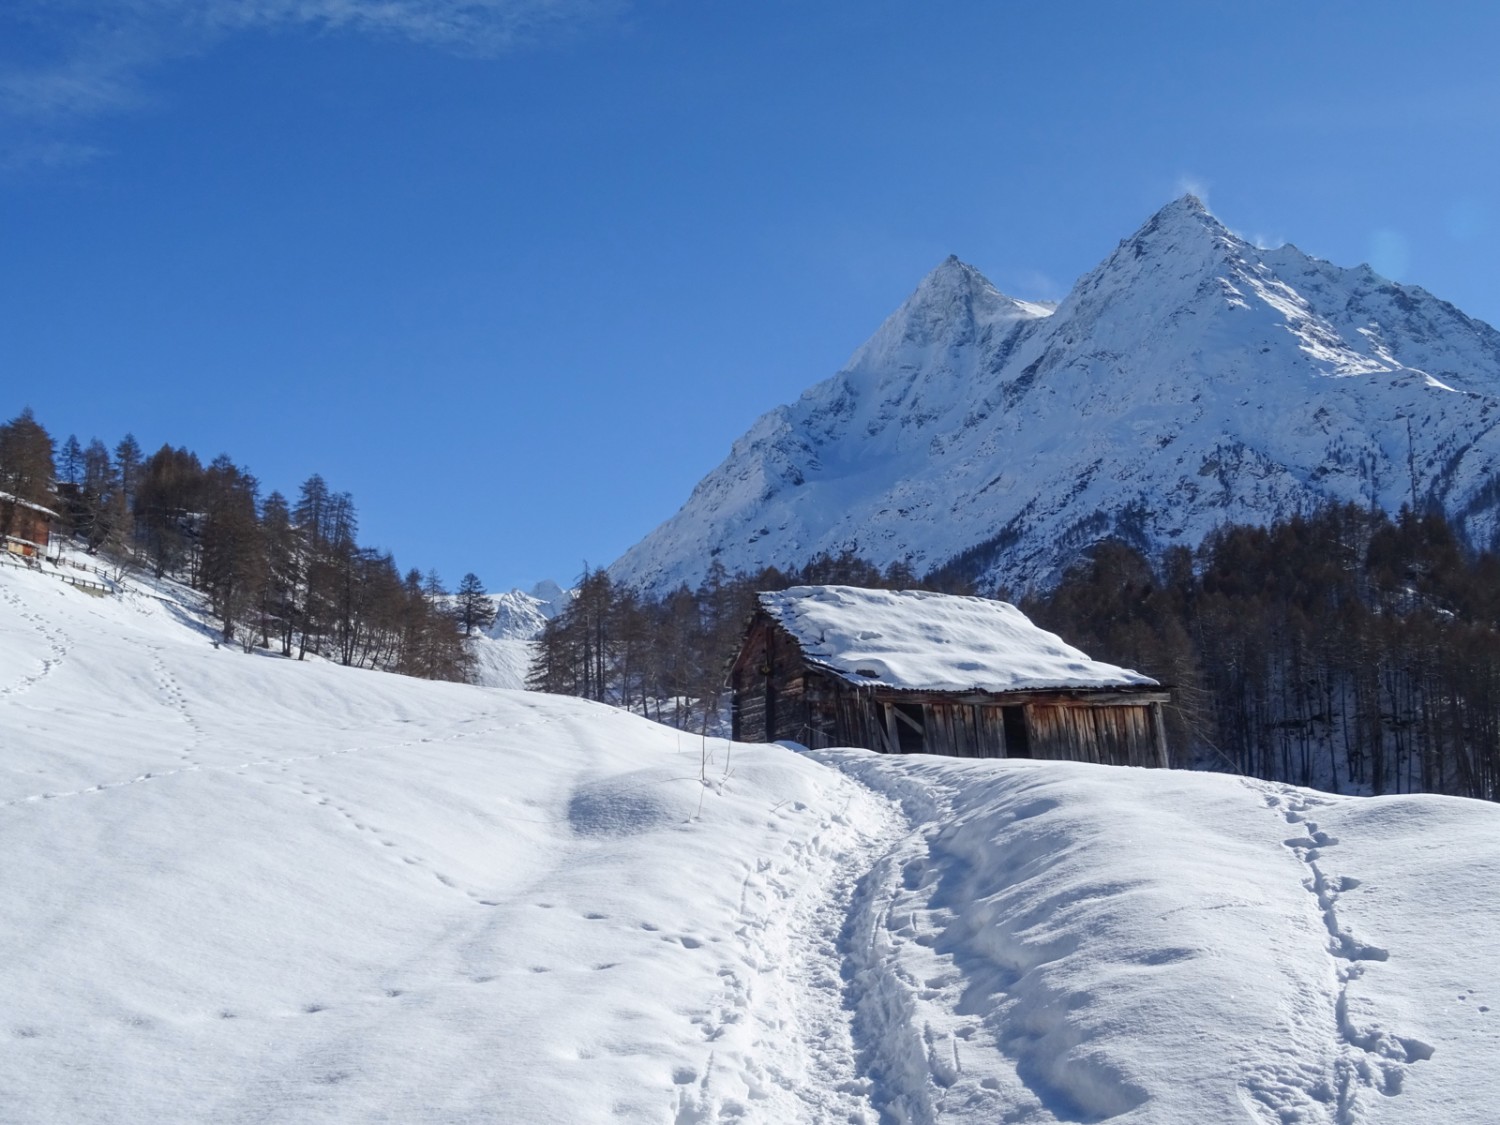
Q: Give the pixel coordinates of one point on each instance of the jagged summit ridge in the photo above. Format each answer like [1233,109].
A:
[1190,379]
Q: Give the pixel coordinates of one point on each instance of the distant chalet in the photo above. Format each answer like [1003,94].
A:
[909,672]
[25,527]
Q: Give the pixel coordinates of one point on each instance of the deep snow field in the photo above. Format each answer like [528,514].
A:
[242,889]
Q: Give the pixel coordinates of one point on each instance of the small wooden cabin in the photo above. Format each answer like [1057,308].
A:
[911,672]
[25,528]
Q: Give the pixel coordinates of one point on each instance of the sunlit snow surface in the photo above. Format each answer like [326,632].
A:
[239,888]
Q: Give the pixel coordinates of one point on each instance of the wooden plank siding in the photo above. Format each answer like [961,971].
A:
[25,529]
[779,695]
[1107,735]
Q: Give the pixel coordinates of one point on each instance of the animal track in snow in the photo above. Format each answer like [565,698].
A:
[1373,1058]
[57,647]
[305,787]
[172,694]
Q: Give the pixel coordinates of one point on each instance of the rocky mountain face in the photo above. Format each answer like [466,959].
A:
[1190,380]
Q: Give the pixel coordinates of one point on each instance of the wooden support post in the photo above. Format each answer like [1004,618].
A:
[1159,728]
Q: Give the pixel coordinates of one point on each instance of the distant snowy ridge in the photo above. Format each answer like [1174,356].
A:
[1190,380]
[502,654]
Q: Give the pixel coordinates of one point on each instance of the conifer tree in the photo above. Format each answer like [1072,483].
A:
[128,467]
[283,578]
[472,606]
[168,500]
[70,462]
[115,515]
[27,471]
[95,496]
[233,568]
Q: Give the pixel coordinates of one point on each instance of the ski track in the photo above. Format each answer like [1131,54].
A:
[58,644]
[1366,1059]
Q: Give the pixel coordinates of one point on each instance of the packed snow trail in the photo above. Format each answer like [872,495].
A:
[1061,942]
[245,889]
[794,909]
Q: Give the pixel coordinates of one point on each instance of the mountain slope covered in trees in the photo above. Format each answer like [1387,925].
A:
[1190,380]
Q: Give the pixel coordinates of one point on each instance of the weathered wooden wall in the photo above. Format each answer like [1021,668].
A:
[26,531]
[769,682]
[1076,732]
[1065,728]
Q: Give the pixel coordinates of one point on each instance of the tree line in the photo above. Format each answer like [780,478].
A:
[1343,649]
[667,657]
[283,573]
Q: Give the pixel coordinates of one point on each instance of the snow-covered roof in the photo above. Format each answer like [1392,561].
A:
[919,641]
[8,498]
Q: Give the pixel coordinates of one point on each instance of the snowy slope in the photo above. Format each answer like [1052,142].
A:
[1190,379]
[240,888]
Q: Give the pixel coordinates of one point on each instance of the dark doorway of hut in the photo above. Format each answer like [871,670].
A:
[1017,740]
[910,731]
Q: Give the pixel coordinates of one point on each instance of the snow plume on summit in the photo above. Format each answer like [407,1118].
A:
[1189,380]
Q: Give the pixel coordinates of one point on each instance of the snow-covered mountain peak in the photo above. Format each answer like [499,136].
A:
[1185,215]
[1179,255]
[1190,379]
[955,305]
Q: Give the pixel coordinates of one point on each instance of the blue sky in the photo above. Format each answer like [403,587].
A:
[515,274]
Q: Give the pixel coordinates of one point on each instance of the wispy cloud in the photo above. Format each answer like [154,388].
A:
[1194,186]
[470,26]
[79,60]
[1034,285]
[27,155]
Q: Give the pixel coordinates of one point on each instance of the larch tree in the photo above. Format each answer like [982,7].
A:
[233,568]
[26,467]
[70,461]
[27,470]
[473,607]
[95,496]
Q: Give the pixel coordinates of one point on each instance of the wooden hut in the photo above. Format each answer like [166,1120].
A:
[911,672]
[25,527]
